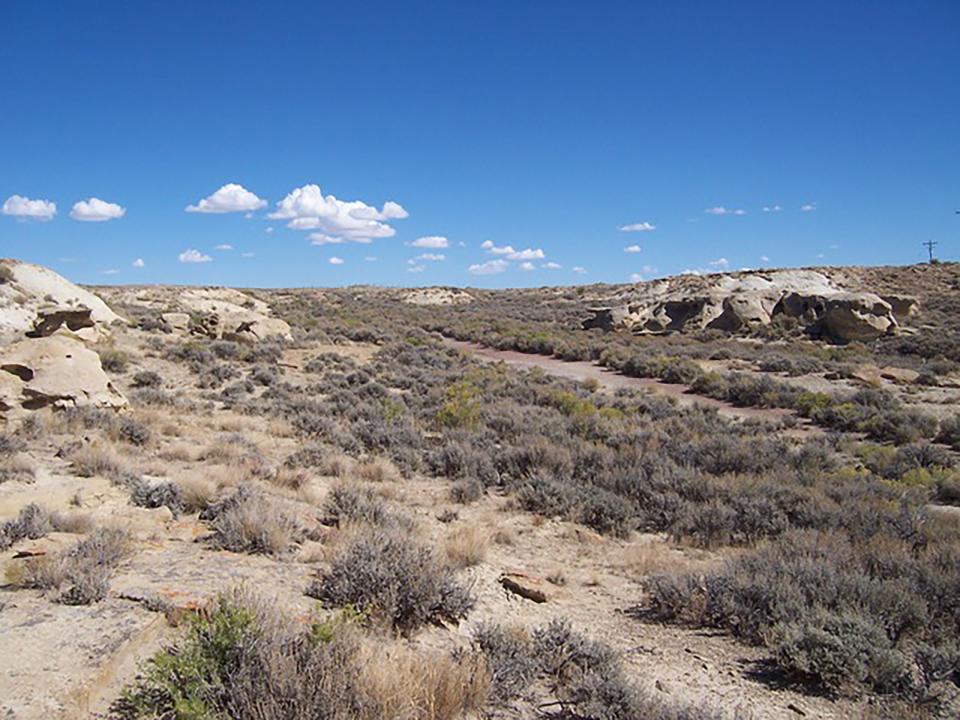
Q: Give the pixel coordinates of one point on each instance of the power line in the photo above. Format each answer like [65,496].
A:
[930,245]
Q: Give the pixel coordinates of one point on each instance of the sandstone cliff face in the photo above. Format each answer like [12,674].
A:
[749,299]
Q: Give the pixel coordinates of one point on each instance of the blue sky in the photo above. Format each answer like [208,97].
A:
[537,128]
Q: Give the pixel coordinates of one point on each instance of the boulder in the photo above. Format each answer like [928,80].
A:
[849,317]
[904,306]
[607,318]
[57,371]
[901,376]
[177,321]
[526,586]
[51,319]
[743,310]
[232,315]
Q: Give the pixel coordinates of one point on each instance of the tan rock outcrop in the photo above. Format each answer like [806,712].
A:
[55,371]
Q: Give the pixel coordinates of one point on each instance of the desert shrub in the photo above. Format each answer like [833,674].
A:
[950,432]
[586,676]
[32,522]
[846,615]
[147,378]
[224,349]
[215,375]
[79,573]
[192,352]
[264,375]
[243,658]
[97,459]
[249,521]
[390,576]
[466,491]
[152,396]
[166,493]
[133,432]
[6,275]
[348,503]
[113,360]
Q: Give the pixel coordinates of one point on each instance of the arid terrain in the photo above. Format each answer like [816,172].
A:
[730,496]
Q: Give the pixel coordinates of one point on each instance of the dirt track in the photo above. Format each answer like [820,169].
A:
[581,370]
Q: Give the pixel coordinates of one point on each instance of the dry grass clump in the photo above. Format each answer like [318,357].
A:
[98,458]
[80,573]
[466,545]
[17,466]
[378,470]
[647,558]
[289,478]
[196,493]
[244,658]
[179,452]
[249,521]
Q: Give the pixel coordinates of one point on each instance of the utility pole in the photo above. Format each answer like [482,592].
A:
[930,245]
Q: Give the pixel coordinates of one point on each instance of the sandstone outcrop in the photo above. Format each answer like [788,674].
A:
[732,302]
[231,315]
[36,302]
[54,371]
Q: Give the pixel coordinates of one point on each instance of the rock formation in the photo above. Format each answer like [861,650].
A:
[749,299]
[54,371]
[36,302]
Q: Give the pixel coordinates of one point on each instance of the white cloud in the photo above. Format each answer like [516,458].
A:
[324,239]
[691,272]
[491,267]
[579,270]
[720,263]
[632,249]
[509,253]
[764,258]
[138,263]
[26,209]
[809,207]
[224,246]
[111,271]
[552,266]
[334,260]
[96,210]
[268,230]
[307,208]
[638,227]
[247,254]
[772,208]
[416,268]
[433,257]
[434,242]
[721,210]
[636,277]
[527,266]
[194,256]
[229,198]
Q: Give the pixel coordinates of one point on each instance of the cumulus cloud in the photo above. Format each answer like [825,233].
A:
[307,208]
[579,270]
[229,198]
[96,210]
[194,256]
[491,267]
[268,230]
[433,257]
[224,246]
[809,207]
[764,258]
[138,263]
[772,208]
[636,277]
[416,268]
[433,242]
[334,260]
[691,272]
[720,263]
[638,227]
[527,266]
[324,239]
[510,254]
[721,210]
[552,266]
[24,208]
[632,249]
